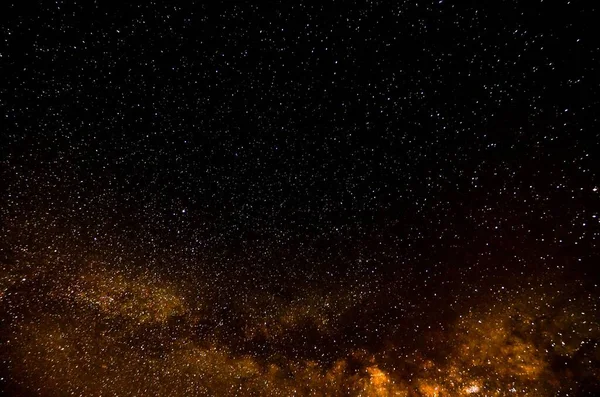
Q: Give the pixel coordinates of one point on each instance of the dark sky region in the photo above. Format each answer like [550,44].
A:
[368,198]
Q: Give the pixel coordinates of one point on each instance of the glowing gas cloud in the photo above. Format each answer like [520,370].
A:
[106,331]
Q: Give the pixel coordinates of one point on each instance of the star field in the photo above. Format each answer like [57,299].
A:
[355,198]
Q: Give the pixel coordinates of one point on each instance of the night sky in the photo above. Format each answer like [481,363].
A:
[370,198]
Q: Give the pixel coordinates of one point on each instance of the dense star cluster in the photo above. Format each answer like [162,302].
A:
[361,198]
